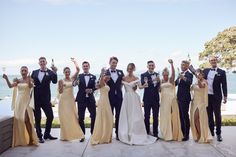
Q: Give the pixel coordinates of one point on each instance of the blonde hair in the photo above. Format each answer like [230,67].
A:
[165,70]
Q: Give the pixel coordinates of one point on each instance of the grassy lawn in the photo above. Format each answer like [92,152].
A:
[226,121]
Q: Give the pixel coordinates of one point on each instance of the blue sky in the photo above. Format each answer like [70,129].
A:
[93,30]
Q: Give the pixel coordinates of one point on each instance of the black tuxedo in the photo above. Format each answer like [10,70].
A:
[42,99]
[184,98]
[84,102]
[115,95]
[151,101]
[214,100]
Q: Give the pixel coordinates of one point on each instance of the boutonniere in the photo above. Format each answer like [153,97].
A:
[91,76]
[46,73]
[119,73]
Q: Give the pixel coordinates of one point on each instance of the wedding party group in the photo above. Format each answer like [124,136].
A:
[171,105]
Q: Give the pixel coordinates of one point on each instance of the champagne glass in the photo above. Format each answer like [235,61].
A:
[146,80]
[87,94]
[3,69]
[52,65]
[158,78]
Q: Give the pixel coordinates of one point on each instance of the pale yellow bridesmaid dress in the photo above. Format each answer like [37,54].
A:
[70,128]
[170,125]
[102,132]
[200,102]
[23,105]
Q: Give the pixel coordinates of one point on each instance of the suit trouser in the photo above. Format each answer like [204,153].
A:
[81,111]
[184,117]
[214,107]
[47,108]
[116,104]
[155,113]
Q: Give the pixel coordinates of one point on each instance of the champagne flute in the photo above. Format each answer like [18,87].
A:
[146,80]
[3,69]
[158,78]
[52,65]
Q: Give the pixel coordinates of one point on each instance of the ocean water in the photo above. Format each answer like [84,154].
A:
[6,92]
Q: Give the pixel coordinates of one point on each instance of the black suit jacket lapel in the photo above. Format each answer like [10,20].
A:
[207,72]
[36,75]
[90,78]
[83,80]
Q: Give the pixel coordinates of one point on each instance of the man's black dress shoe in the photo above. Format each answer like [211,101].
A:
[82,140]
[49,137]
[185,138]
[219,138]
[41,140]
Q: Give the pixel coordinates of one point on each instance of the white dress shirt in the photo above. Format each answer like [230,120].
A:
[153,76]
[183,73]
[210,80]
[86,79]
[114,75]
[41,75]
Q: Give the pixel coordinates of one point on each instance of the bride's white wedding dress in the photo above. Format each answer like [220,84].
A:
[131,123]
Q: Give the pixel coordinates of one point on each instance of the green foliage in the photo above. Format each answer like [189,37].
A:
[223,46]
[231,121]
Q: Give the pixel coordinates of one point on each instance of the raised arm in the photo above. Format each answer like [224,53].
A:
[77,69]
[10,85]
[172,78]
[101,81]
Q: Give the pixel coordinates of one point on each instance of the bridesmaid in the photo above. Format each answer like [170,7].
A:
[198,112]
[102,132]
[170,125]
[22,105]
[70,129]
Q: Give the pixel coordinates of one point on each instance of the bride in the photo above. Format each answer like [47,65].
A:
[131,124]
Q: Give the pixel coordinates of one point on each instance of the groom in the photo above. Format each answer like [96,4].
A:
[42,97]
[184,82]
[115,93]
[217,86]
[85,97]
[151,81]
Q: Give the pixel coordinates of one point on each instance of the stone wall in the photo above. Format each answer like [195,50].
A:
[6,127]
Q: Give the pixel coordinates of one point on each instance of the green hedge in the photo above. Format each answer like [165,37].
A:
[56,123]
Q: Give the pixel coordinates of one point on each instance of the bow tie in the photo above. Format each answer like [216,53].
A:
[86,74]
[113,71]
[43,70]
[213,69]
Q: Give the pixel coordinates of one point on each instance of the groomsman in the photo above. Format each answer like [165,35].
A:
[184,82]
[151,81]
[115,93]
[42,97]
[217,86]
[85,96]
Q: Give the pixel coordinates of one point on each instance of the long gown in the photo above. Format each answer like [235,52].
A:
[200,102]
[131,124]
[170,126]
[70,128]
[103,126]
[23,105]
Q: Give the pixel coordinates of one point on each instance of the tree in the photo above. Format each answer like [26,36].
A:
[223,46]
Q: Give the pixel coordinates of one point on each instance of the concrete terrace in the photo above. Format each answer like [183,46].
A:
[58,148]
